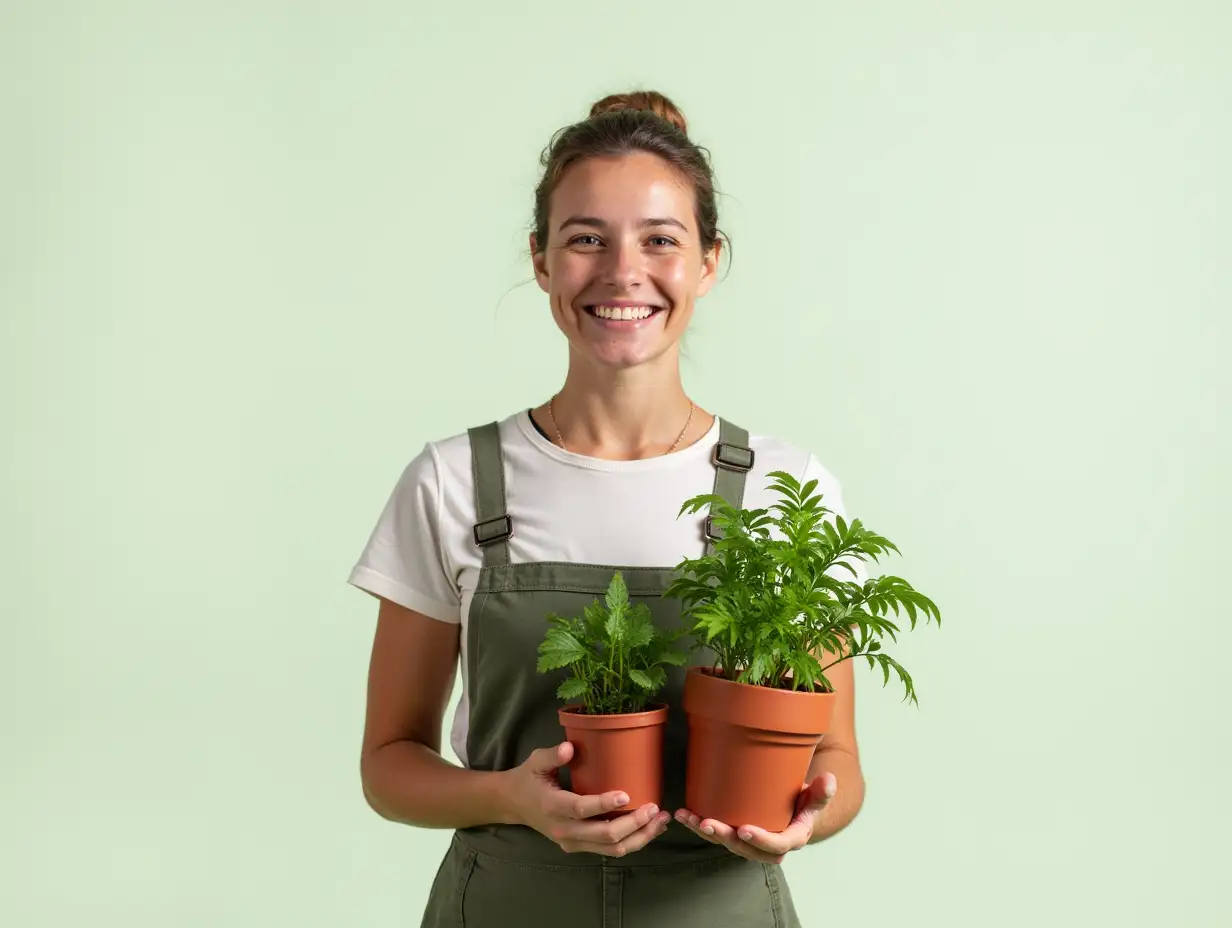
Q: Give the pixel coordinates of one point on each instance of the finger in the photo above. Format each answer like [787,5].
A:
[718,833]
[829,786]
[732,841]
[710,829]
[614,830]
[693,823]
[573,805]
[545,761]
[814,798]
[818,793]
[635,841]
[794,837]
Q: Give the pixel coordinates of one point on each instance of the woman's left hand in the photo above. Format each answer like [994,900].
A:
[757,843]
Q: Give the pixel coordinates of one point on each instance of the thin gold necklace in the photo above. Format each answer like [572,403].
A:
[679,438]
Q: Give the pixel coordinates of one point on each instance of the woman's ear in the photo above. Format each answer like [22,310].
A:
[710,268]
[539,261]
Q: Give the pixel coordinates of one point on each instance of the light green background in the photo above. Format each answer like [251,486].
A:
[253,255]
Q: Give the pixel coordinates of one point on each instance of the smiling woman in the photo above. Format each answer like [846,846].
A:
[499,526]
[625,264]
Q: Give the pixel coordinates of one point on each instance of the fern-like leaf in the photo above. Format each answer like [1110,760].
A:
[784,583]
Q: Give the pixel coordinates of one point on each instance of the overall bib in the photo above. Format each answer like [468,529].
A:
[506,876]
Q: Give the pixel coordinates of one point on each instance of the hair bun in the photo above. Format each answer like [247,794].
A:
[650,100]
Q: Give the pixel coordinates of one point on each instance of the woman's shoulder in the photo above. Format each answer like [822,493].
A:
[773,454]
[445,460]
[450,452]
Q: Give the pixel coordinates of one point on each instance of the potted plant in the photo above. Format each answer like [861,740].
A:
[616,656]
[766,601]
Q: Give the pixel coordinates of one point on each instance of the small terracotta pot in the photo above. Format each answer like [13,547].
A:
[617,752]
[749,748]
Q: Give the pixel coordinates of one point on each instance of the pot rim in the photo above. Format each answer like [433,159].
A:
[572,716]
[709,674]
[709,699]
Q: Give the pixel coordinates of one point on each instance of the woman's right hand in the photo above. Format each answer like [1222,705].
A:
[536,799]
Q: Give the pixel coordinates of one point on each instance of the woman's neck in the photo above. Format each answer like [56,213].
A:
[623,415]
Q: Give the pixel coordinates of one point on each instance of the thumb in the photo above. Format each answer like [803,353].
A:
[817,794]
[545,760]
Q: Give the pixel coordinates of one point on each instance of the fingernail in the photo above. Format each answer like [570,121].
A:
[708,830]
[831,788]
[654,810]
[745,834]
[622,800]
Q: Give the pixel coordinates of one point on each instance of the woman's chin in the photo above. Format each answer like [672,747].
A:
[624,357]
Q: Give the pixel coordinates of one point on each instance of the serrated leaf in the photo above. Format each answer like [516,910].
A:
[559,649]
[640,629]
[641,679]
[595,618]
[617,593]
[573,688]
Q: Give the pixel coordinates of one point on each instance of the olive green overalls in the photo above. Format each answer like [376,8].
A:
[504,876]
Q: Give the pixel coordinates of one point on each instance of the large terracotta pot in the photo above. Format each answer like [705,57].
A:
[749,748]
[617,752]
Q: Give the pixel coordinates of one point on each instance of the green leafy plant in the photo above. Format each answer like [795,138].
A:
[767,603]
[616,654]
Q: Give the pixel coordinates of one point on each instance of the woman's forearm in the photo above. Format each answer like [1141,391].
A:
[847,801]
[410,783]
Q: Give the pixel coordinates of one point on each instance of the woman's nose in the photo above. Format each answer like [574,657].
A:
[624,267]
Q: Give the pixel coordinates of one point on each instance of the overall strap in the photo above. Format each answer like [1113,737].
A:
[732,459]
[493,525]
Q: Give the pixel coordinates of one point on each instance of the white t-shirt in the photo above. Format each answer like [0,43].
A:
[565,506]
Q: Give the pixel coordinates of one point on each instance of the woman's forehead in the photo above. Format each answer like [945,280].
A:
[631,188]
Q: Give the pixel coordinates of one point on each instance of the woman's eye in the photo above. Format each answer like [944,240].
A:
[588,240]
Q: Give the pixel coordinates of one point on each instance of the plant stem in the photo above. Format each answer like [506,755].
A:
[841,658]
[620,700]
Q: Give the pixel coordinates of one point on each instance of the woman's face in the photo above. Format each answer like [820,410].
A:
[623,263]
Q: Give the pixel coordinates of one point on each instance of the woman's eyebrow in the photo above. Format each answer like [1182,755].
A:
[596,223]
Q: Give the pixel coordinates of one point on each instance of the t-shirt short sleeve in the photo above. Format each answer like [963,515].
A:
[403,560]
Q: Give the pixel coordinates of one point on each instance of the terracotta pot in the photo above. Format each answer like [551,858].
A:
[749,748]
[617,752]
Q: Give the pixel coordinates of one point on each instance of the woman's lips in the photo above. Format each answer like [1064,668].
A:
[623,315]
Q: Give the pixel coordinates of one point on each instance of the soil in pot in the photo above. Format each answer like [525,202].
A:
[617,752]
[749,748]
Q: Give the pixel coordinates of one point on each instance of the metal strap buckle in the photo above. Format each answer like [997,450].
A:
[711,530]
[491,531]
[733,457]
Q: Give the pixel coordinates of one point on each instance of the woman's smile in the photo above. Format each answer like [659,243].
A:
[624,317]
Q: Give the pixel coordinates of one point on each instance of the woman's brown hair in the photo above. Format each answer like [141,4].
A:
[627,122]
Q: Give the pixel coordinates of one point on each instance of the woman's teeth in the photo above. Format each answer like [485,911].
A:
[624,313]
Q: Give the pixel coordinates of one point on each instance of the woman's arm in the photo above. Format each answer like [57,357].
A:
[405,779]
[839,755]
